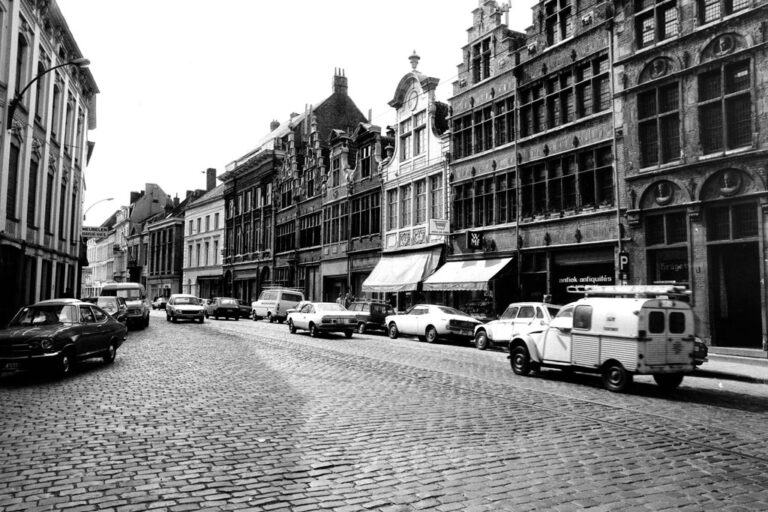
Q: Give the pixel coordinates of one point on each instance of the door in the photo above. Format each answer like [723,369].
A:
[735,282]
[525,317]
[91,332]
[557,342]
[302,317]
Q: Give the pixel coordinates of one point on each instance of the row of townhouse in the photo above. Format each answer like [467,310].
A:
[48,98]
[611,142]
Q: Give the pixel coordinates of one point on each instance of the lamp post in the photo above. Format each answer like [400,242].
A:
[94,204]
[80,63]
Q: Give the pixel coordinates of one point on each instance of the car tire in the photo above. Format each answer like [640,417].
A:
[615,377]
[312,331]
[668,381]
[174,319]
[520,360]
[109,355]
[255,318]
[62,366]
[392,330]
[291,327]
[237,317]
[167,317]
[481,340]
[430,336]
[202,319]
[348,333]
[269,318]
[361,328]
[146,321]
[205,314]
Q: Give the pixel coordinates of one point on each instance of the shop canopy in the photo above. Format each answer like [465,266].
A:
[402,272]
[465,275]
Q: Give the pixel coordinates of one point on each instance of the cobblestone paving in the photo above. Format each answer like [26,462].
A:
[243,416]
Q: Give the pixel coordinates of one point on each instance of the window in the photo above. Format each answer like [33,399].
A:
[309,230]
[62,210]
[284,236]
[462,136]
[725,113]
[335,171]
[207,222]
[191,227]
[481,60]
[420,133]
[286,193]
[582,317]
[595,176]
[239,240]
[732,222]
[189,255]
[560,98]
[405,206]
[365,162]
[215,221]
[483,129]
[421,202]
[666,229]
[215,252]
[656,322]
[392,209]
[504,121]
[462,211]
[22,54]
[506,198]
[198,225]
[198,260]
[659,125]
[655,21]
[48,200]
[206,253]
[247,205]
[375,213]
[484,202]
[405,140]
[56,113]
[436,197]
[711,10]
[332,223]
[558,21]
[40,90]
[246,238]
[309,179]
[365,215]
[676,322]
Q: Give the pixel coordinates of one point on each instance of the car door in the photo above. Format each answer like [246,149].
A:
[302,317]
[503,329]
[105,328]
[426,316]
[91,333]
[525,317]
[412,320]
[557,338]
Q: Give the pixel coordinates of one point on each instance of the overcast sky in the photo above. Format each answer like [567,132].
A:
[191,84]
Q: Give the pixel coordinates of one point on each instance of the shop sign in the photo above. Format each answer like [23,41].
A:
[439,227]
[474,239]
[94,232]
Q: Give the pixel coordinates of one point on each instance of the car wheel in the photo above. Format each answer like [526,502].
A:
[255,317]
[431,335]
[361,328]
[167,317]
[312,331]
[146,321]
[520,360]
[269,318]
[481,340]
[668,381]
[392,330]
[291,327]
[615,377]
[202,319]
[62,367]
[348,334]
[237,317]
[109,355]
[205,314]
[174,319]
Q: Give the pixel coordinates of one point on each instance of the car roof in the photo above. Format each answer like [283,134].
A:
[59,302]
[183,295]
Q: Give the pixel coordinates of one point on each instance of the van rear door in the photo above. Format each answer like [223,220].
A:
[669,331]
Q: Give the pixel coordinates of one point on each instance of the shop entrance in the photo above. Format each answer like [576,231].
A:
[735,283]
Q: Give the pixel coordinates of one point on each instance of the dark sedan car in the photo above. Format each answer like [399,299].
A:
[222,306]
[55,334]
[115,306]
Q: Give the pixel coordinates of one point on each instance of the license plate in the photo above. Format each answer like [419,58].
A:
[11,366]
[465,332]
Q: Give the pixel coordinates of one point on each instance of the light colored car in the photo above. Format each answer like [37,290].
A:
[518,317]
[430,322]
[322,317]
[182,306]
[298,307]
[274,304]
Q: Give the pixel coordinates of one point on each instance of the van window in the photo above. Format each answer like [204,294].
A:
[292,297]
[656,322]
[676,322]
[582,317]
[267,296]
[526,312]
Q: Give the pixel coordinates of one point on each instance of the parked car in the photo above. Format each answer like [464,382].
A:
[297,307]
[135,297]
[274,304]
[700,352]
[222,306]
[182,306]
[515,318]
[371,314]
[245,309]
[55,334]
[430,322]
[115,306]
[322,317]
[159,303]
[616,331]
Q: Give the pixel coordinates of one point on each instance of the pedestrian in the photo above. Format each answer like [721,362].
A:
[347,300]
[340,300]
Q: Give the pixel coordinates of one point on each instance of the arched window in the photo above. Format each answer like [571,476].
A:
[22,53]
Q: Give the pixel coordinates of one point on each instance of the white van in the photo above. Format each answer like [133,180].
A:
[617,331]
[135,298]
[273,304]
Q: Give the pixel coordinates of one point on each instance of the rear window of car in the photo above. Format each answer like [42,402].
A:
[292,297]
[229,302]
[676,322]
[656,322]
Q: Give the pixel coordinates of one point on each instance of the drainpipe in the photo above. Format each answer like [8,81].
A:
[518,197]
[614,151]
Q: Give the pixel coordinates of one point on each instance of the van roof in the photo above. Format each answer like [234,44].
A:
[636,291]
[123,285]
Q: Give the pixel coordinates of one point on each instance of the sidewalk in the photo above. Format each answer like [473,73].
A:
[734,367]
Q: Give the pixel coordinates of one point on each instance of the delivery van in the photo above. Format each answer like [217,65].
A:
[135,298]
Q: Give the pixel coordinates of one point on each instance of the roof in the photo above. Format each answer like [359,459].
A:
[59,302]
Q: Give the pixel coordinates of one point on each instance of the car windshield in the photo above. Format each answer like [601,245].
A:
[229,302]
[107,303]
[186,300]
[451,311]
[131,293]
[42,315]
[329,306]
[509,313]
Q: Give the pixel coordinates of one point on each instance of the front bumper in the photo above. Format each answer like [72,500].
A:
[347,326]
[191,315]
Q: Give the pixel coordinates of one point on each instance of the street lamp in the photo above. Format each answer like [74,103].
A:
[94,204]
[80,63]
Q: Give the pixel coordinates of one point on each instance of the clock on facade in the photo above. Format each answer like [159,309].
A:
[413,100]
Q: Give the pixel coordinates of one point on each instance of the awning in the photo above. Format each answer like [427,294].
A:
[465,275]
[402,272]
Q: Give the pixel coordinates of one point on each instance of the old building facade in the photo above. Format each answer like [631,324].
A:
[44,149]
[692,91]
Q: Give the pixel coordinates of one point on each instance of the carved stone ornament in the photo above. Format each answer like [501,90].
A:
[729,182]
[663,193]
[724,45]
[659,68]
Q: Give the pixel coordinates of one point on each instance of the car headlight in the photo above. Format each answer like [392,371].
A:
[46,344]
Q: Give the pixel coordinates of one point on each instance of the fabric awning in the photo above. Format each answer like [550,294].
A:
[402,272]
[466,275]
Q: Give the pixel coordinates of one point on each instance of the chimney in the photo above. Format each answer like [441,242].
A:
[189,193]
[210,178]
[134,197]
[274,125]
[176,201]
[339,82]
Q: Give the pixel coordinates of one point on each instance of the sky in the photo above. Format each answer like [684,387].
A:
[190,84]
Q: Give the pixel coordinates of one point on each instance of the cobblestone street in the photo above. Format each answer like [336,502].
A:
[245,416]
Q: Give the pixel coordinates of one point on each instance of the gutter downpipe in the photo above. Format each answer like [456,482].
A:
[614,148]
[518,196]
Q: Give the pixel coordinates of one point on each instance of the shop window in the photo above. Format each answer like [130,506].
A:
[558,21]
[725,112]
[659,125]
[481,60]
[712,10]
[732,222]
[655,21]
[582,317]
